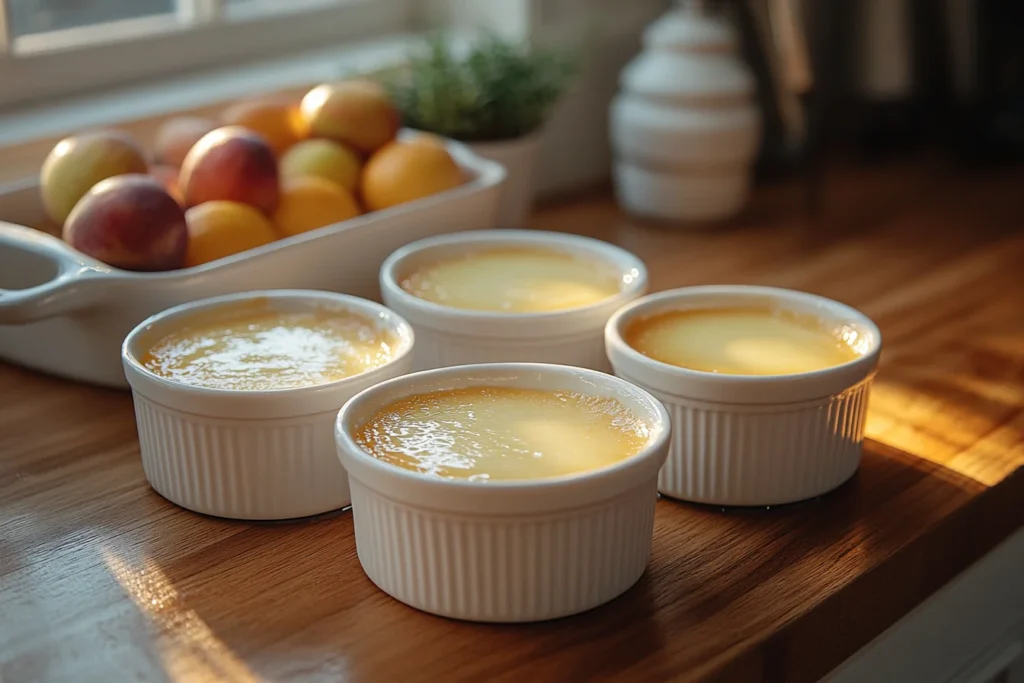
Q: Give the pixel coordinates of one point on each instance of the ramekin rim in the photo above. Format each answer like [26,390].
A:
[660,433]
[614,255]
[396,323]
[617,344]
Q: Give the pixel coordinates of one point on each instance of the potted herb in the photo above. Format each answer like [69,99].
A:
[494,96]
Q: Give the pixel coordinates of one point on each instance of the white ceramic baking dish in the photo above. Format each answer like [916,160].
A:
[448,336]
[66,314]
[504,551]
[754,440]
[250,454]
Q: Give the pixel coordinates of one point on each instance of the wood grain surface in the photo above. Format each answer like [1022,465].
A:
[103,580]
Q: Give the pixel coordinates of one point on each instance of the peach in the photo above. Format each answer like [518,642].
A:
[177,136]
[277,121]
[323,159]
[403,171]
[219,229]
[129,222]
[77,163]
[309,203]
[358,113]
[231,163]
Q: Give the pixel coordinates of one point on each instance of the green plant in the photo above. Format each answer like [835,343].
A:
[496,90]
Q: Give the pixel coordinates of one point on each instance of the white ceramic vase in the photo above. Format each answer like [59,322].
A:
[518,156]
[685,127]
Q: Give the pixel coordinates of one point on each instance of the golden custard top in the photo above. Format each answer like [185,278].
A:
[743,341]
[254,347]
[496,433]
[514,280]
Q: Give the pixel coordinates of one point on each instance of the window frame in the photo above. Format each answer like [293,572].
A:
[202,34]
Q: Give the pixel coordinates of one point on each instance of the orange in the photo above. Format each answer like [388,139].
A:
[280,123]
[309,203]
[324,159]
[403,171]
[221,228]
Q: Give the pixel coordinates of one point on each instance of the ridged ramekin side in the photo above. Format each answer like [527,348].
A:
[725,454]
[504,569]
[242,469]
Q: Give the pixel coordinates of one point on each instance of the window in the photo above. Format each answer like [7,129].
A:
[52,48]
[43,16]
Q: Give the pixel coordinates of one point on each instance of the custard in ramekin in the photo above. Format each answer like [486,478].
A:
[503,492]
[493,296]
[235,397]
[767,388]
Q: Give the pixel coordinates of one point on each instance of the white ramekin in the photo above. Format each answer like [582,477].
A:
[249,454]
[447,336]
[507,551]
[753,440]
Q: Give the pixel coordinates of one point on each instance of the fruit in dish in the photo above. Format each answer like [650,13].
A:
[310,203]
[358,113]
[278,122]
[322,159]
[403,171]
[271,151]
[221,228]
[177,136]
[77,163]
[130,222]
[231,163]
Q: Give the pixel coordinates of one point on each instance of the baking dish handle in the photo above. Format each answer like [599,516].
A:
[73,285]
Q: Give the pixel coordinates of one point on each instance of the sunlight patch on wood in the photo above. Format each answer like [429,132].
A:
[188,648]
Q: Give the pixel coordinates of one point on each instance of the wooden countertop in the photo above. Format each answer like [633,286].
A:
[101,579]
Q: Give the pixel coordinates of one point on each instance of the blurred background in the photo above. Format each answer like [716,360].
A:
[42,16]
[869,81]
